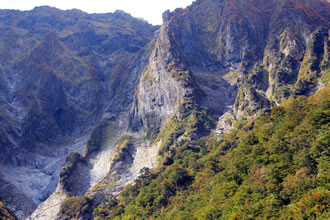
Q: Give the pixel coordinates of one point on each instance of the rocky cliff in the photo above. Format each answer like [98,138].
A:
[234,56]
[61,73]
[128,94]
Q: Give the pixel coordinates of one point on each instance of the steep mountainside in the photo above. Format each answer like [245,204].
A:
[224,61]
[274,167]
[134,97]
[234,55]
[60,73]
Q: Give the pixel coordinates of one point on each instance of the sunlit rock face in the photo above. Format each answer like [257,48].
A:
[71,81]
[233,56]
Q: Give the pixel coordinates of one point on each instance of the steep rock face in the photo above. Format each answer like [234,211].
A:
[61,71]
[234,56]
[159,95]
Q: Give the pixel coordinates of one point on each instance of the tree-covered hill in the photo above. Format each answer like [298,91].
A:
[275,166]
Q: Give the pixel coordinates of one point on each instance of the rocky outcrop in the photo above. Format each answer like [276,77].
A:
[61,72]
[233,56]
[158,94]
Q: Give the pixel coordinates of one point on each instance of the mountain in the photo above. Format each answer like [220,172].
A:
[61,73]
[276,166]
[90,102]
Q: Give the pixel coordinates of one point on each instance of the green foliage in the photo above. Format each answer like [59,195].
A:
[107,209]
[123,146]
[152,134]
[154,194]
[274,167]
[95,141]
[196,123]
[312,205]
[249,100]
[74,207]
[180,73]
[258,77]
[71,163]
[325,77]
[315,62]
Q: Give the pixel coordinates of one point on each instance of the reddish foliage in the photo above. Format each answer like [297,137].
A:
[253,7]
[92,67]
[186,10]
[44,67]
[39,67]
[316,195]
[309,12]
[234,4]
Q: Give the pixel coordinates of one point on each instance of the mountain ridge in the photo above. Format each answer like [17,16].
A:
[128,92]
[55,85]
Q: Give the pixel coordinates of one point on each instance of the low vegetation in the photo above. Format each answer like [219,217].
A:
[75,207]
[95,141]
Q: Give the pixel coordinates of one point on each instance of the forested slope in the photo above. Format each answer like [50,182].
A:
[274,166]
